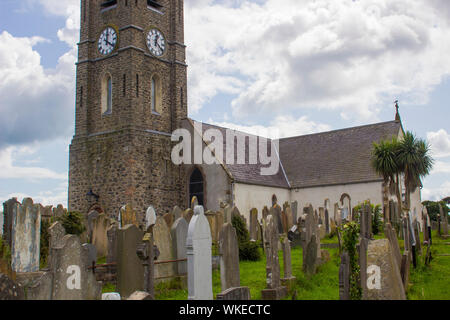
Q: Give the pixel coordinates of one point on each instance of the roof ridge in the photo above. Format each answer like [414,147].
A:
[342,129]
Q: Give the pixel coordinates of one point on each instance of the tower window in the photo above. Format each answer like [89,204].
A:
[155,95]
[196,186]
[107,88]
[108,4]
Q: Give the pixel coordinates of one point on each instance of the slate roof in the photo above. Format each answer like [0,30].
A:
[249,173]
[327,158]
[335,157]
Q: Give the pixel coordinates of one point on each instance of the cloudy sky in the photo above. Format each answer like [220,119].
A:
[296,66]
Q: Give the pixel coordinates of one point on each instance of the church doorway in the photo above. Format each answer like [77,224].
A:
[196,186]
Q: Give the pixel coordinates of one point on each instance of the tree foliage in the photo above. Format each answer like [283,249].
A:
[73,223]
[433,208]
[248,250]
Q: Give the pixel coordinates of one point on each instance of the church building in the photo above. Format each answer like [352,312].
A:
[131,96]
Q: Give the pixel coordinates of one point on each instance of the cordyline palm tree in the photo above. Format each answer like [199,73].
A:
[408,156]
[414,160]
[384,161]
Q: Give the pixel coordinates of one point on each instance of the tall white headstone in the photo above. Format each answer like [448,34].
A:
[150,217]
[198,247]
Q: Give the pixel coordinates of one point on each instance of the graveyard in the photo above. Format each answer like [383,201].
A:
[52,254]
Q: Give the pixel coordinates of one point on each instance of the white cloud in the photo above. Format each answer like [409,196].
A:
[8,170]
[280,127]
[46,198]
[441,167]
[436,194]
[440,143]
[351,56]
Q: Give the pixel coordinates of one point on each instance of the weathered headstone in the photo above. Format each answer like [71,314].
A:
[310,233]
[344,277]
[211,216]
[169,218]
[275,212]
[150,217]
[274,290]
[327,222]
[100,227]
[92,253]
[198,246]
[8,218]
[383,277]
[130,272]
[444,221]
[294,208]
[229,257]
[177,213]
[188,214]
[179,236]
[128,216]
[72,278]
[59,211]
[111,253]
[288,280]
[90,223]
[405,268]
[265,212]
[111,296]
[140,295]
[253,224]
[148,253]
[391,235]
[239,293]
[163,241]
[25,236]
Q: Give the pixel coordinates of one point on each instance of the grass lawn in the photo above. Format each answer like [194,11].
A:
[426,283]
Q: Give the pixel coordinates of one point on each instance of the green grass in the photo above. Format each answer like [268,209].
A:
[426,283]
[432,282]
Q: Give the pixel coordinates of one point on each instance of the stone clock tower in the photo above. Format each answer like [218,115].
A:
[131,94]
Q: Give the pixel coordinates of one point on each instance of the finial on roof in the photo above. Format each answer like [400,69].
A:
[397,114]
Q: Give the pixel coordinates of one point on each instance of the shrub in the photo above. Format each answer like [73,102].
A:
[73,223]
[376,219]
[350,232]
[248,250]
[44,243]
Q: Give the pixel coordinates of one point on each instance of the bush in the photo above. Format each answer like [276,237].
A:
[376,219]
[350,233]
[73,223]
[433,208]
[248,250]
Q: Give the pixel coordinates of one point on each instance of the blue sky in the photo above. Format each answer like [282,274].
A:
[296,66]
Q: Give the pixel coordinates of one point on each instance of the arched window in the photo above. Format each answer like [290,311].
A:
[196,186]
[155,95]
[107,94]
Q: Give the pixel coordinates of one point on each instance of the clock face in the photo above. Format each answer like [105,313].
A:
[107,41]
[156,42]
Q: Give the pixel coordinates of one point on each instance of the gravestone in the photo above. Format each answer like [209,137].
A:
[310,233]
[90,223]
[150,217]
[130,272]
[344,277]
[100,227]
[284,222]
[140,295]
[211,216]
[8,219]
[179,236]
[274,290]
[391,235]
[72,278]
[229,257]
[383,277]
[59,211]
[147,253]
[235,294]
[444,221]
[177,213]
[253,224]
[227,214]
[46,213]
[163,241]
[111,253]
[57,232]
[92,253]
[198,249]
[337,215]
[416,226]
[127,215]
[288,280]
[111,296]
[294,209]
[275,212]
[426,237]
[25,236]
[265,212]
[187,214]
[289,217]
[405,268]
[169,218]
[366,222]
[327,222]
[362,257]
